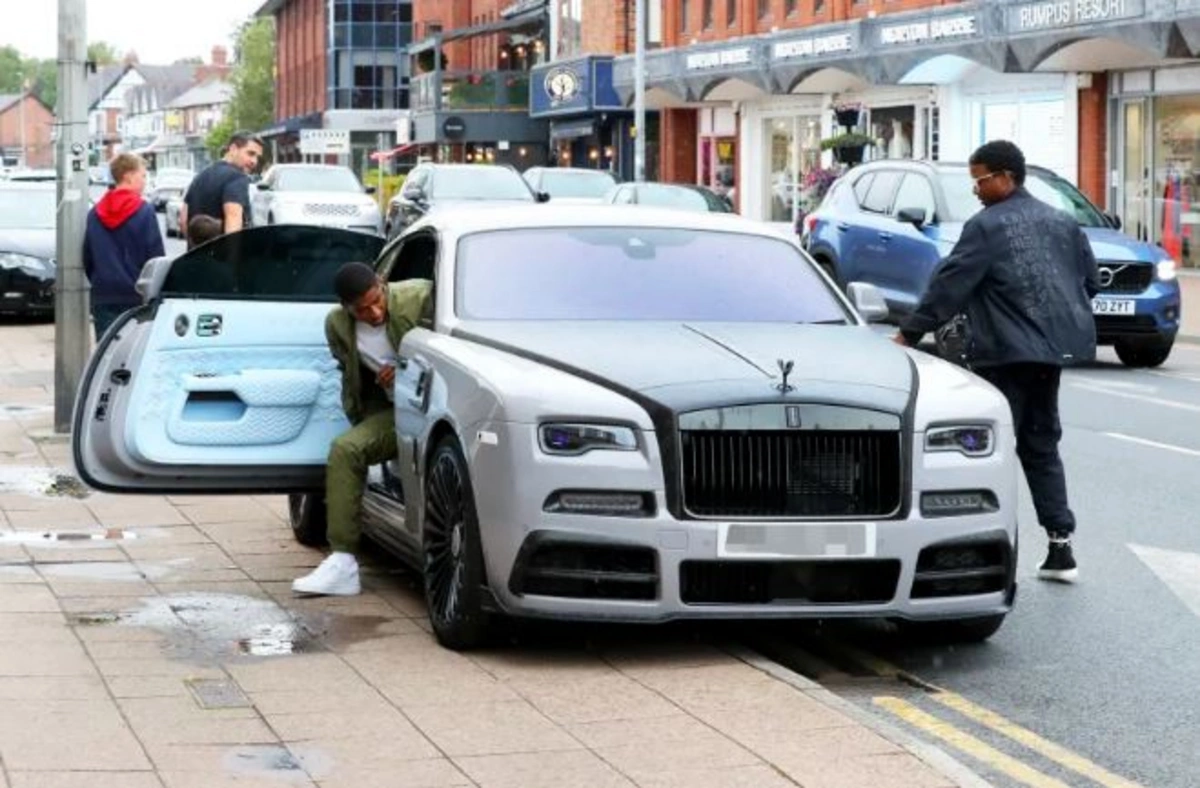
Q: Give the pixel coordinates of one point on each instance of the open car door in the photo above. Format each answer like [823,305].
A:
[222,381]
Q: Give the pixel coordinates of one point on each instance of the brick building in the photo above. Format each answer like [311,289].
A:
[34,148]
[1107,94]
[346,73]
[471,62]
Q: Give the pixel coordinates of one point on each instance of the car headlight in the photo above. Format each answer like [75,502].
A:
[972,440]
[567,439]
[14,261]
[1165,270]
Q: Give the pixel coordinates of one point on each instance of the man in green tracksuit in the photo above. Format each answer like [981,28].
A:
[364,334]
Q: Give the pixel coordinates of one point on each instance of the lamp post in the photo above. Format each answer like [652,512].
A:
[639,93]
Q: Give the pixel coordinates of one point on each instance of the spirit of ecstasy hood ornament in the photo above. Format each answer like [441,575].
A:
[785,369]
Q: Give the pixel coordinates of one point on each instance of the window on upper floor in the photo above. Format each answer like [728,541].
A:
[685,10]
[731,9]
[790,7]
[764,9]
[706,18]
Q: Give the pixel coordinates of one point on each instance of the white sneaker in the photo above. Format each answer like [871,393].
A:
[336,576]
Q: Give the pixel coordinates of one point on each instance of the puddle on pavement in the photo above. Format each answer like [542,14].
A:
[65,538]
[41,483]
[23,410]
[210,627]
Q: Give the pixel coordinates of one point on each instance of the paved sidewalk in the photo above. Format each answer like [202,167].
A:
[154,642]
[1189,283]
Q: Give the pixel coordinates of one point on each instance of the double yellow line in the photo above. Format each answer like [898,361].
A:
[973,746]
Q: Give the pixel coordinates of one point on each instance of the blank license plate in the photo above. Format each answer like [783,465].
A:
[1106,306]
[811,540]
[14,295]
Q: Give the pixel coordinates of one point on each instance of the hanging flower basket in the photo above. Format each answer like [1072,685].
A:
[847,114]
[848,148]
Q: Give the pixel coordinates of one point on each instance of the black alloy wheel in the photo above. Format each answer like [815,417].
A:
[454,573]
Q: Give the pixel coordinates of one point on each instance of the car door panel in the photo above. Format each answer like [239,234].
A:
[913,252]
[200,393]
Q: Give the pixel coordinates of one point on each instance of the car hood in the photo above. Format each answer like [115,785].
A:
[35,243]
[577,200]
[685,366]
[1109,244]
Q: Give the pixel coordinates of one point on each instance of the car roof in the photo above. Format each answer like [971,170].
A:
[300,166]
[28,186]
[926,164]
[464,220]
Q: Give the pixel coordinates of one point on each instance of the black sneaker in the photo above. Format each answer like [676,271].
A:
[1059,565]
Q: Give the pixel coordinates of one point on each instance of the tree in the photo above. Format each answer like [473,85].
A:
[252,105]
[218,137]
[12,70]
[43,80]
[102,53]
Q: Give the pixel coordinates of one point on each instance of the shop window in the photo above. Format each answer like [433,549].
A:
[1176,182]
[892,129]
[793,147]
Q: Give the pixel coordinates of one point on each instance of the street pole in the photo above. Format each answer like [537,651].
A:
[71,323]
[639,94]
[24,149]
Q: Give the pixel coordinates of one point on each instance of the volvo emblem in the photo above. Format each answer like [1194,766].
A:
[1107,275]
[785,369]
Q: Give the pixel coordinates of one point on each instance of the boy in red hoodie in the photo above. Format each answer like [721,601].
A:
[122,234]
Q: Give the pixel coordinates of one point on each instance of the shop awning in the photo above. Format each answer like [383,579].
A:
[396,151]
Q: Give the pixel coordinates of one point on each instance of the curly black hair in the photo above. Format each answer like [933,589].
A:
[1001,156]
[352,282]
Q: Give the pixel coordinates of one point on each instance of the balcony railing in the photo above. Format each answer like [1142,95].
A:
[470,90]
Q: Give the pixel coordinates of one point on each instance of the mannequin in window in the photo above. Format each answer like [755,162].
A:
[900,147]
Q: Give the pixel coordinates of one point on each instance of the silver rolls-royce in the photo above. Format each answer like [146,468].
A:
[612,413]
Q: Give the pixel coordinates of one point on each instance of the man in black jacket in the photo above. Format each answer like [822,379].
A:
[1024,275]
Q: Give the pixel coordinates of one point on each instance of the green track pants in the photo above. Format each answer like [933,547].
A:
[371,442]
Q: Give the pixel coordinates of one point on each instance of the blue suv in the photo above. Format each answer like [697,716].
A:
[891,223]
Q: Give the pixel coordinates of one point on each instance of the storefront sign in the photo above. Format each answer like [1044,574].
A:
[718,59]
[321,142]
[454,126]
[930,30]
[1054,14]
[815,46]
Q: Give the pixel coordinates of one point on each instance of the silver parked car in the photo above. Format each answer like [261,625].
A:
[657,415]
[317,194]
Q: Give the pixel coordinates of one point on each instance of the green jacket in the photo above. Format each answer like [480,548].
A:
[408,302]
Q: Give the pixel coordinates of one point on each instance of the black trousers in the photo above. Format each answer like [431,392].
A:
[1032,393]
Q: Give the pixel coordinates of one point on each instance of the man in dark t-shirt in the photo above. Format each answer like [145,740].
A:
[222,190]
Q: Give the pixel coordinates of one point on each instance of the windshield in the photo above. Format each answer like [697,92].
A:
[634,273]
[480,183]
[661,196]
[27,209]
[317,179]
[564,183]
[962,203]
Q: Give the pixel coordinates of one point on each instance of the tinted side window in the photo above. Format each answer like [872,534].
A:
[275,263]
[916,192]
[879,196]
[861,187]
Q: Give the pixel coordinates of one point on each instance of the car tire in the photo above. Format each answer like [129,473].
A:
[954,630]
[1141,354]
[307,516]
[452,551]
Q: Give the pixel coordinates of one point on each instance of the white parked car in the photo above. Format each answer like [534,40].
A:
[571,184]
[317,194]
[610,414]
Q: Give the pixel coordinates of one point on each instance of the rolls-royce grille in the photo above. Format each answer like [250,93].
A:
[795,473]
[1125,278]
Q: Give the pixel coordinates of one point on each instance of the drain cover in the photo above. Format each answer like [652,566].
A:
[218,694]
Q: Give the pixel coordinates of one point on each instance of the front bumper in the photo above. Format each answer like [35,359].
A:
[1156,315]
[27,299]
[658,568]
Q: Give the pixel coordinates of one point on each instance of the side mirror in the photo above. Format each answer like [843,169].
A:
[914,216]
[1114,220]
[414,194]
[543,196]
[369,189]
[151,278]
[263,186]
[868,301]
